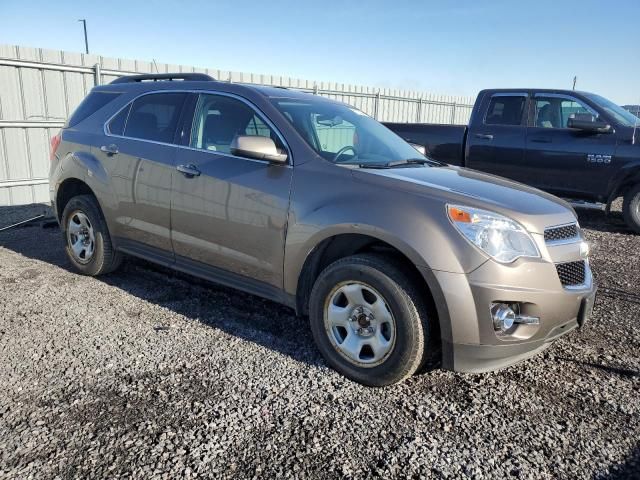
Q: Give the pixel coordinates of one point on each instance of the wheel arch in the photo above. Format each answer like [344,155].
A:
[68,189]
[344,244]
[628,178]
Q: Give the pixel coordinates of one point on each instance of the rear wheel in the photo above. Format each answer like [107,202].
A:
[88,244]
[368,320]
[631,208]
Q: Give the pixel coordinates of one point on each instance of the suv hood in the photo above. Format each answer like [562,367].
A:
[533,208]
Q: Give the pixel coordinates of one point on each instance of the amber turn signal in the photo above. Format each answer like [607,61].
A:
[458,215]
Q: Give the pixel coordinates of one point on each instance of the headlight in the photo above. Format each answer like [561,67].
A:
[501,238]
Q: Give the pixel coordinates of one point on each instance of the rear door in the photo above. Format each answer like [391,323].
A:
[232,213]
[496,142]
[139,153]
[570,163]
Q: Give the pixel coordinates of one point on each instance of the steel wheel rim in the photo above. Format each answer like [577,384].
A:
[359,324]
[81,237]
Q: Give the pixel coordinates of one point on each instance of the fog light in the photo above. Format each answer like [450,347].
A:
[506,315]
[584,250]
[503,316]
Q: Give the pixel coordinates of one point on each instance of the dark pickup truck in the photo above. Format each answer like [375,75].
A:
[576,145]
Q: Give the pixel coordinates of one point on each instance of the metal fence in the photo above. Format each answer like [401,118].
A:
[39,88]
[635,109]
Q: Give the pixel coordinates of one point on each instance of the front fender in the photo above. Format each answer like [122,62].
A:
[416,227]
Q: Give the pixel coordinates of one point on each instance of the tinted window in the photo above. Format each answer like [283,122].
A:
[554,112]
[154,117]
[116,125]
[505,110]
[218,120]
[90,105]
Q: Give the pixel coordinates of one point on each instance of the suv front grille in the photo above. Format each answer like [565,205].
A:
[572,274]
[565,232]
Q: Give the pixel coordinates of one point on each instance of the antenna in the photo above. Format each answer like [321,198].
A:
[635,127]
[575,79]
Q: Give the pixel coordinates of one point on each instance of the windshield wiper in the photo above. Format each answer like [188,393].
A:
[401,163]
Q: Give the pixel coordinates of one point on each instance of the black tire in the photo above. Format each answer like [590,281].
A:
[631,208]
[403,298]
[105,258]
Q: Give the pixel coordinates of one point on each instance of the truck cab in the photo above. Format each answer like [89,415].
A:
[577,145]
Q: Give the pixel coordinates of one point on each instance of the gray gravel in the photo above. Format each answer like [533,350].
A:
[146,373]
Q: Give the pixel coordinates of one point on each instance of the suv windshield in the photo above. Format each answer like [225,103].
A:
[620,115]
[344,135]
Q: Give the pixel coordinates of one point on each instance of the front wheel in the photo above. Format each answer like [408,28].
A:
[88,244]
[368,320]
[631,208]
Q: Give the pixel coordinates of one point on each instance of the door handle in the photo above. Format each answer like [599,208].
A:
[484,136]
[541,139]
[109,149]
[188,171]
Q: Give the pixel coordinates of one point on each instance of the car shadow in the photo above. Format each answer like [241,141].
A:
[629,469]
[599,221]
[246,316]
[623,372]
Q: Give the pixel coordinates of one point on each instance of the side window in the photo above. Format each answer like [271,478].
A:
[155,116]
[569,108]
[116,125]
[219,119]
[554,112]
[334,133]
[257,127]
[505,110]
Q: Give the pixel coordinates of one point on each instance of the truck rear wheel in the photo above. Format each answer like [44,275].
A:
[368,320]
[631,208]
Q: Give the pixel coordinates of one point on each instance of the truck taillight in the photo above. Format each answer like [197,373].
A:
[55,143]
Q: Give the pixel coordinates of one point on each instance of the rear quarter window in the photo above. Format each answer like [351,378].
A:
[117,124]
[90,105]
[505,110]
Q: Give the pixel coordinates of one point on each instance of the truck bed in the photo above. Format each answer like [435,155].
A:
[444,143]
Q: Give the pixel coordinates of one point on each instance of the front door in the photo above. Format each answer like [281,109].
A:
[229,213]
[572,163]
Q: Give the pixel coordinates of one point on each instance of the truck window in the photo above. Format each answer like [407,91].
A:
[505,110]
[554,112]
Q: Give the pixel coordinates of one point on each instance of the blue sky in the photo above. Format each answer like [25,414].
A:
[446,47]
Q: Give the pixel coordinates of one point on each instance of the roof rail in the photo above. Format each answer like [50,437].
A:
[154,77]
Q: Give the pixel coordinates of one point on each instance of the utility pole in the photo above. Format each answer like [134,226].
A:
[86,41]
[575,79]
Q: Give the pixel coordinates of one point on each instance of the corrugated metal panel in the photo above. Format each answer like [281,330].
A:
[39,88]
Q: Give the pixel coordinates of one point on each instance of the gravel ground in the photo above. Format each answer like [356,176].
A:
[145,373]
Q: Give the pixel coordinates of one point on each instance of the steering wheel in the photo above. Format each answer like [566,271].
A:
[342,151]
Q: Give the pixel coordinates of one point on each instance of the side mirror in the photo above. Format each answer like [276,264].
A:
[260,148]
[588,123]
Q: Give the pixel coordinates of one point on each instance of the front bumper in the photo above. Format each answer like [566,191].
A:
[469,340]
